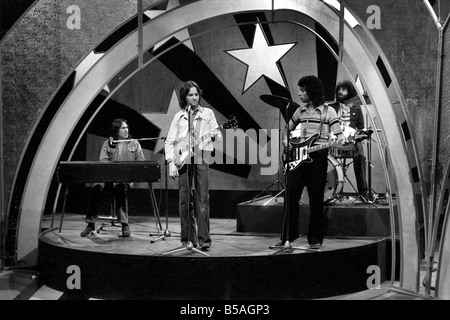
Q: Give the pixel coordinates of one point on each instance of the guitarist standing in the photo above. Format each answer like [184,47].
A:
[314,117]
[183,159]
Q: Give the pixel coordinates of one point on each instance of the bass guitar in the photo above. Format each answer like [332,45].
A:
[301,148]
[181,149]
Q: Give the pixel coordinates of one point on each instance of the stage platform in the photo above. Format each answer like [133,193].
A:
[346,217]
[239,265]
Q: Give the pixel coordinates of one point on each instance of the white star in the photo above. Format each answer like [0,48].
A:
[262,59]
[181,35]
[163,120]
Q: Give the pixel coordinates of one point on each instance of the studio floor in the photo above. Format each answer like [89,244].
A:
[157,240]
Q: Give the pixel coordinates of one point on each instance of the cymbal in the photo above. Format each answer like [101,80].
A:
[281,103]
[278,101]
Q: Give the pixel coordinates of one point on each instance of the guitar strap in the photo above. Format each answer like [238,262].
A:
[325,113]
[195,127]
[323,118]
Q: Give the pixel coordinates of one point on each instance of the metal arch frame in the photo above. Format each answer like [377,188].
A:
[443,276]
[390,185]
[442,290]
[123,52]
[408,224]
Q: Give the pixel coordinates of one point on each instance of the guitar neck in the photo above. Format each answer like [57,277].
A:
[203,137]
[323,146]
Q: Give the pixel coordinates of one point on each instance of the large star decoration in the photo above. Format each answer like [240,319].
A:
[163,120]
[262,59]
[181,35]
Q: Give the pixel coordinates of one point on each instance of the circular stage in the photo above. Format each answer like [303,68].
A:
[239,266]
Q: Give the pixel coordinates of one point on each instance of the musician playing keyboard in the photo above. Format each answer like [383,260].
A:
[119,147]
[313,118]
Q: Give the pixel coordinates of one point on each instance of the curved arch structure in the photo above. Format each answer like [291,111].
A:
[371,68]
[443,275]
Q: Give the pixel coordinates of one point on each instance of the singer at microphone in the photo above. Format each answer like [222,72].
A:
[187,167]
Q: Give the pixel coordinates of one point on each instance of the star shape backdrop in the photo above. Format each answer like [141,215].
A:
[262,59]
[162,121]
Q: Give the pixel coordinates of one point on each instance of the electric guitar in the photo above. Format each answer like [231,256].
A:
[181,150]
[299,153]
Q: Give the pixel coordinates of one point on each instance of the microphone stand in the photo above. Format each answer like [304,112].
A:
[369,169]
[287,244]
[166,232]
[189,246]
[277,181]
[152,194]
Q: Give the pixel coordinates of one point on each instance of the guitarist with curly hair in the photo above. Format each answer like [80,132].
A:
[306,159]
[188,147]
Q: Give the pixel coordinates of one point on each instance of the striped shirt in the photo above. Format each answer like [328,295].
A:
[305,123]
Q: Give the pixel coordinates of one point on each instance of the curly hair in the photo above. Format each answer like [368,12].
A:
[346,84]
[184,91]
[314,89]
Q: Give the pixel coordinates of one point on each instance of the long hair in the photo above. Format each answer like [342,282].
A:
[314,89]
[184,91]
[115,127]
[348,85]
